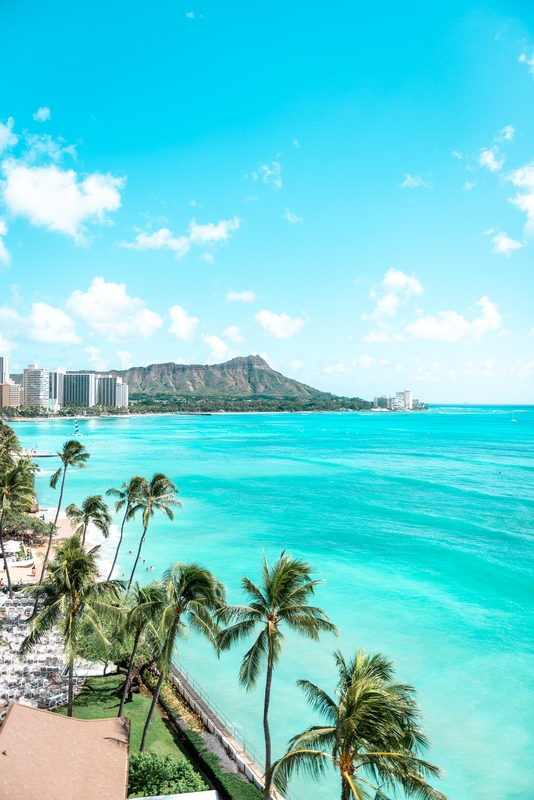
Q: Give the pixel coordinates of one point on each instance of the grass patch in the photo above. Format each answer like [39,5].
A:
[95,701]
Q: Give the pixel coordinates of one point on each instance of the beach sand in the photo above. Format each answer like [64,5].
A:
[25,573]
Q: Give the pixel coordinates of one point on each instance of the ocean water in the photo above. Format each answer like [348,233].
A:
[421,526]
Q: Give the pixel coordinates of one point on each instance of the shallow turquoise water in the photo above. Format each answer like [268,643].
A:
[421,526]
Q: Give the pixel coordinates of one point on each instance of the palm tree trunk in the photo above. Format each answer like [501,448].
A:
[71,686]
[151,712]
[53,527]
[137,557]
[345,789]
[118,546]
[267,732]
[84,532]
[130,668]
[2,518]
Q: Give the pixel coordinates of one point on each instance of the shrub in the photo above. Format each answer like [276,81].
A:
[156,775]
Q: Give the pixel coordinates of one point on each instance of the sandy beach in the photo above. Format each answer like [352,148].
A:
[25,573]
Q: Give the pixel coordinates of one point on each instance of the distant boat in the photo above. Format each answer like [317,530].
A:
[76,429]
[513,418]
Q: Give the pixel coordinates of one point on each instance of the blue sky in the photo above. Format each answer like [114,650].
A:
[347,190]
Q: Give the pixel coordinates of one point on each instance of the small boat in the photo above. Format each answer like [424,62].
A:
[13,561]
[513,418]
[76,429]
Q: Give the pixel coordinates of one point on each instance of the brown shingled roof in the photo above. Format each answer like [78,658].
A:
[45,756]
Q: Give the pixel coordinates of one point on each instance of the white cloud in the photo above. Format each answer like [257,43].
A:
[488,158]
[5,258]
[219,349]
[483,371]
[201,235]
[456,154]
[45,324]
[7,137]
[363,362]
[45,146]
[207,257]
[111,312]
[42,114]
[449,326]
[528,61]
[506,134]
[413,182]
[5,345]
[297,364]
[502,243]
[291,217]
[94,357]
[296,143]
[524,178]
[521,369]
[190,14]
[280,325]
[182,326]
[125,358]
[57,200]
[233,333]
[469,185]
[397,285]
[245,297]
[272,174]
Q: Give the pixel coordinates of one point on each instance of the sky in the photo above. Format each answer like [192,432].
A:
[345,189]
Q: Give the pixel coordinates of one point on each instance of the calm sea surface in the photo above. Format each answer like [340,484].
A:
[421,525]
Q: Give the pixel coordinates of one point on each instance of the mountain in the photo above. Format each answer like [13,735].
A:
[239,377]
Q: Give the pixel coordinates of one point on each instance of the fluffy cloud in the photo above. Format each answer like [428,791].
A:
[528,61]
[280,325]
[200,235]
[45,146]
[5,258]
[7,137]
[245,297]
[521,369]
[94,357]
[449,326]
[233,333]
[414,181]
[479,371]
[523,178]
[488,158]
[125,358]
[363,362]
[111,312]
[506,134]
[42,114]
[219,349]
[397,286]
[292,218]
[56,199]
[272,174]
[45,324]
[182,326]
[207,257]
[502,243]
[160,240]
[468,185]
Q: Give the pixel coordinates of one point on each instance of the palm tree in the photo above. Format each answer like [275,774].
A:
[281,599]
[127,496]
[371,735]
[73,454]
[158,494]
[93,510]
[74,601]
[143,602]
[9,445]
[192,597]
[16,493]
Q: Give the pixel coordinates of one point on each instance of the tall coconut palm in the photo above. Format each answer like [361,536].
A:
[142,606]
[281,600]
[192,597]
[74,602]
[16,494]
[158,494]
[371,735]
[73,454]
[128,496]
[9,446]
[93,510]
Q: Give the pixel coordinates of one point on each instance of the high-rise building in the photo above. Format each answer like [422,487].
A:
[56,381]
[122,394]
[4,369]
[10,394]
[79,389]
[111,391]
[408,400]
[35,385]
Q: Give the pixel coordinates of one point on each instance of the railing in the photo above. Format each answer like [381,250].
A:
[186,681]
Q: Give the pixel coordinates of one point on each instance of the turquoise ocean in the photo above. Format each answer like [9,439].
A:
[421,526]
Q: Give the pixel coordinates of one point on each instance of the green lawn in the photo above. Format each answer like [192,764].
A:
[95,701]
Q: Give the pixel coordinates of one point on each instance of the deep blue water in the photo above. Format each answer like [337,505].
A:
[421,526]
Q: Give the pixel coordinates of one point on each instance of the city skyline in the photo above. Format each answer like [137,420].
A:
[358,211]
